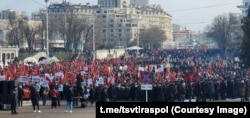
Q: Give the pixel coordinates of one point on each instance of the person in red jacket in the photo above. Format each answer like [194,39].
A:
[54,95]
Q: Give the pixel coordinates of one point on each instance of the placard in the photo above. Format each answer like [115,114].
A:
[90,81]
[100,80]
[141,69]
[2,78]
[85,68]
[146,77]
[24,79]
[36,79]
[45,83]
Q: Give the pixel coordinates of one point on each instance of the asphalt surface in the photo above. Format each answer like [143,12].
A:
[47,112]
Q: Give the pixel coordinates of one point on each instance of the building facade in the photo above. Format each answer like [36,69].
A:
[117,24]
[182,34]
[244,7]
[139,2]
[113,3]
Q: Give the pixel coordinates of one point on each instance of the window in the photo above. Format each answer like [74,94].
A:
[1,35]
[111,30]
[12,56]
[103,31]
[8,55]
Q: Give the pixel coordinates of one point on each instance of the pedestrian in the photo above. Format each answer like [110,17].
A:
[54,95]
[45,95]
[14,101]
[242,91]
[20,95]
[34,97]
[69,100]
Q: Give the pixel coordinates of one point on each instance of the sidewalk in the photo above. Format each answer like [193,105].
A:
[47,112]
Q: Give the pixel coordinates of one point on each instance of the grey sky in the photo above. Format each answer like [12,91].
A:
[194,14]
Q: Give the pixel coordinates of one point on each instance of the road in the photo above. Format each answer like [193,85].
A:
[47,112]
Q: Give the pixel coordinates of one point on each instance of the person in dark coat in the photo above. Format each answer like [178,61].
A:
[197,91]
[223,90]
[34,97]
[14,101]
[111,93]
[20,96]
[92,95]
[69,99]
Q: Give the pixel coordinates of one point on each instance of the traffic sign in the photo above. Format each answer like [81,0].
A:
[146,87]
[146,77]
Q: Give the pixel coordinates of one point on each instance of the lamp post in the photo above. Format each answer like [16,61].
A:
[138,39]
[47,28]
[94,35]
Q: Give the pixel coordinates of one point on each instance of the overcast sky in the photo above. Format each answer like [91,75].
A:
[194,14]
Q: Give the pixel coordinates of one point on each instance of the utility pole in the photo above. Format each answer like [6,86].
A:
[94,53]
[138,37]
[47,28]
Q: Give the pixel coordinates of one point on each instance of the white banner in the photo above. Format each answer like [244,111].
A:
[90,81]
[45,83]
[86,68]
[2,78]
[36,79]
[141,69]
[100,80]
[24,79]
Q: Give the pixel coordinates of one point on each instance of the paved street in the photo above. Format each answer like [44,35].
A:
[47,112]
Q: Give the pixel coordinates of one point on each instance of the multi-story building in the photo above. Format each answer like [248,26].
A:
[3,31]
[4,14]
[244,7]
[139,2]
[113,3]
[116,23]
[182,34]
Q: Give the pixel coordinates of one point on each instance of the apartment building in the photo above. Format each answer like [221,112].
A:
[244,7]
[113,3]
[139,2]
[115,23]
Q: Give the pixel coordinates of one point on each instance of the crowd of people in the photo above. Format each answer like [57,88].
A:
[176,75]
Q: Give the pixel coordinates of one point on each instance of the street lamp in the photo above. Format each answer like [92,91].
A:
[138,39]
[94,34]
[47,28]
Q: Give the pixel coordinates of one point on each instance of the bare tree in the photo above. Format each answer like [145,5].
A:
[74,29]
[221,28]
[42,27]
[29,33]
[153,37]
[14,35]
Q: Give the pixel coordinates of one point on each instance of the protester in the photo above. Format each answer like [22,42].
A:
[35,97]
[14,101]
[20,96]
[54,95]
[69,100]
[45,93]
